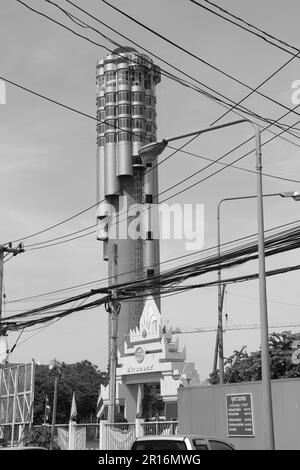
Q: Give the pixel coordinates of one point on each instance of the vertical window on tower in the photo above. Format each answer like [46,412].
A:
[137,78]
[124,136]
[110,124]
[110,98]
[150,114]
[110,138]
[138,109]
[138,137]
[124,96]
[150,127]
[124,109]
[100,102]
[138,124]
[138,96]
[124,122]
[101,141]
[101,81]
[101,114]
[110,111]
[149,100]
[110,78]
[101,128]
[123,77]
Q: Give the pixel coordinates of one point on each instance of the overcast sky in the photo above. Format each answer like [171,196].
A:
[47,162]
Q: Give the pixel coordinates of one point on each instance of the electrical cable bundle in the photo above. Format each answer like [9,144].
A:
[167,282]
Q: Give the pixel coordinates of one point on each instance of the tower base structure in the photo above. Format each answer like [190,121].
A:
[152,362]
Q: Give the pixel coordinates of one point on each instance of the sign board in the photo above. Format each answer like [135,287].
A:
[239,415]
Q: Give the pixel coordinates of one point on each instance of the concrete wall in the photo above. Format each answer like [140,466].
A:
[202,410]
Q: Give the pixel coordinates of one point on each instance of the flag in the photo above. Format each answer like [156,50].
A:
[73,414]
[100,405]
[139,402]
[47,410]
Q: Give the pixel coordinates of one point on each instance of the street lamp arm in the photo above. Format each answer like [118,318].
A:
[204,130]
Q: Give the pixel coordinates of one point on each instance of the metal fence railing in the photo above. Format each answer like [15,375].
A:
[120,436]
[159,428]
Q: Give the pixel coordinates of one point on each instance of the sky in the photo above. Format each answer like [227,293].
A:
[48,163]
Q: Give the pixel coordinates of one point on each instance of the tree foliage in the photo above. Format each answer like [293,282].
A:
[244,367]
[81,378]
[38,437]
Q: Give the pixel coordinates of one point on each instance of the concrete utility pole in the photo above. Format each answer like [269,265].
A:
[14,252]
[265,359]
[56,367]
[113,309]
[219,337]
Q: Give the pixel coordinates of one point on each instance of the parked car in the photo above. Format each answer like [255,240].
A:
[180,442]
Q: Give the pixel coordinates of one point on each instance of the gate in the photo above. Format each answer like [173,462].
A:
[119,436]
[159,428]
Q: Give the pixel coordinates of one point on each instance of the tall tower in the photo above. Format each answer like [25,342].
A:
[126,108]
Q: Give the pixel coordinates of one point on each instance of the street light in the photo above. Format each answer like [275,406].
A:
[219,339]
[157,147]
[56,367]
[293,194]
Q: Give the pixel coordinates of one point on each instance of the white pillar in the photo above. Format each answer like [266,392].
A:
[72,433]
[139,429]
[102,434]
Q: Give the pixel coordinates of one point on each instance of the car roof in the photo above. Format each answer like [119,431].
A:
[23,448]
[175,437]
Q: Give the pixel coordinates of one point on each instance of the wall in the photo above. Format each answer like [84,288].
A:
[202,410]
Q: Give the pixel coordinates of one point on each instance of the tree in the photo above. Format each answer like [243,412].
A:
[81,378]
[38,437]
[242,367]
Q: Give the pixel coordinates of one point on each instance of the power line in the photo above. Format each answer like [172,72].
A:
[166,62]
[55,225]
[74,110]
[265,34]
[91,117]
[191,54]
[15,326]
[161,263]
[221,169]
[243,109]
[253,326]
[269,300]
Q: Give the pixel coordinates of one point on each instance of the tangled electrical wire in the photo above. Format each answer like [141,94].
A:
[167,283]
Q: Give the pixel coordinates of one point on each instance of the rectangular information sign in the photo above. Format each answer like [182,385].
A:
[239,415]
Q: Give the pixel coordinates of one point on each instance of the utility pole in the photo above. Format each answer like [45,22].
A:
[56,367]
[14,251]
[113,308]
[54,412]
[219,337]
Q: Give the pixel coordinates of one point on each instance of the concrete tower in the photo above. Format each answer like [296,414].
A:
[126,107]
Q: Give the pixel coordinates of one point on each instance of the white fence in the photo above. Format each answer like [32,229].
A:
[105,436]
[120,436]
[158,428]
